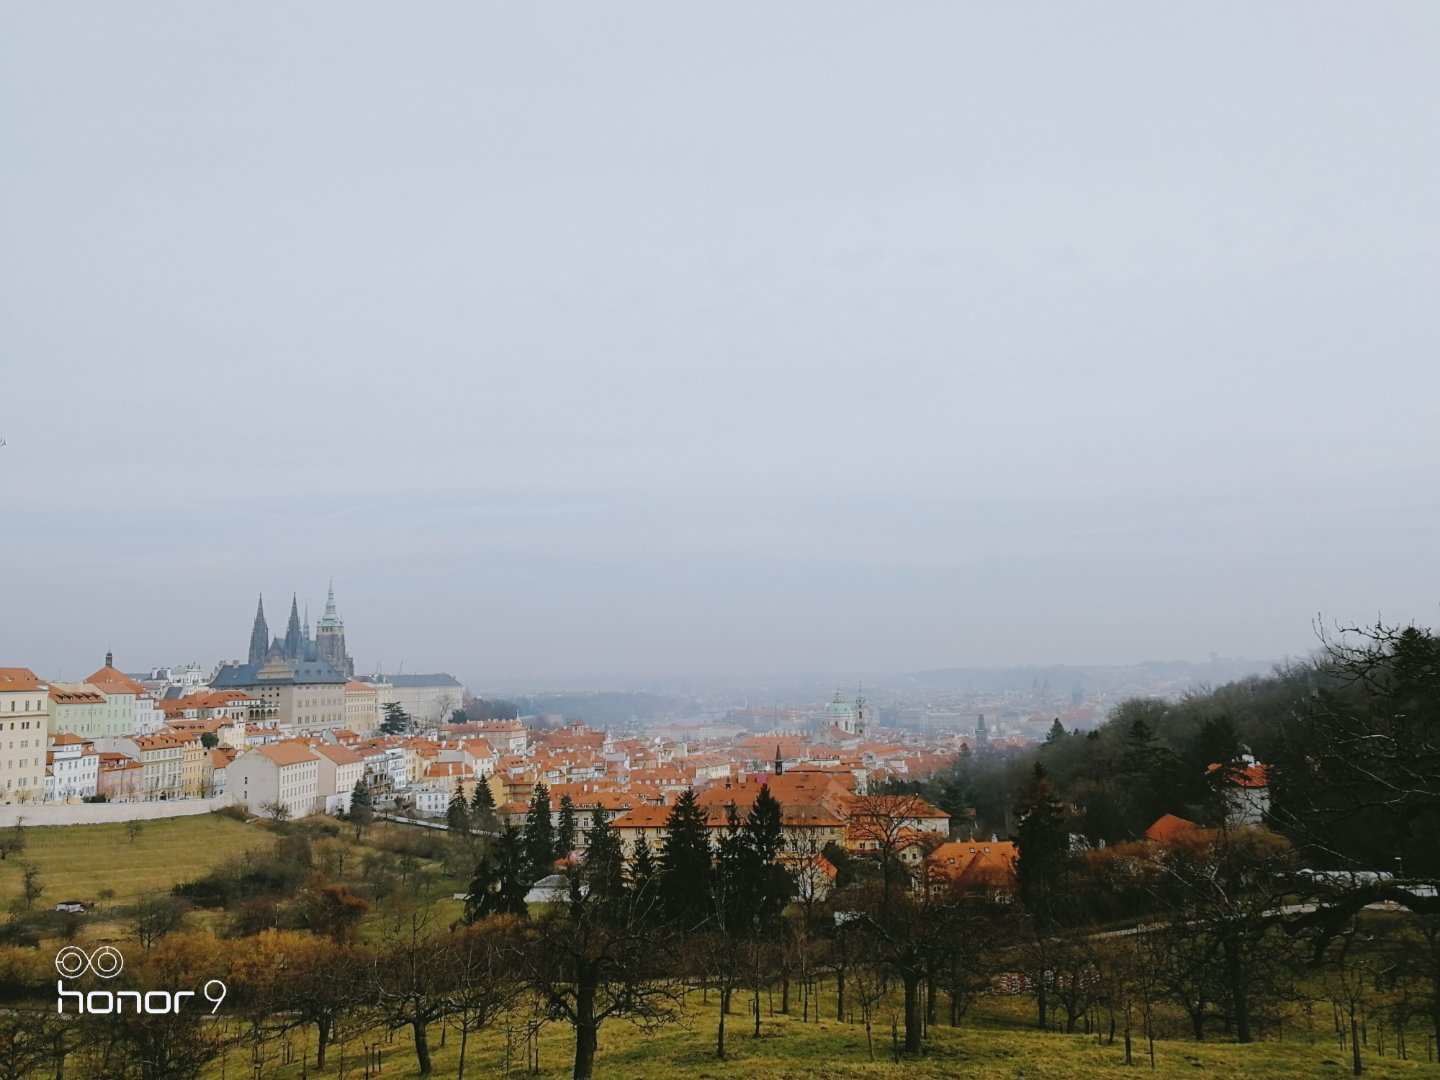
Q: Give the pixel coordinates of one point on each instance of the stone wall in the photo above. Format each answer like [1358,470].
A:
[104,813]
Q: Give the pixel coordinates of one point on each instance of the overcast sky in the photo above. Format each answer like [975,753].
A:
[600,342]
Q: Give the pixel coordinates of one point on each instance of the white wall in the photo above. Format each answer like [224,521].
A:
[103,813]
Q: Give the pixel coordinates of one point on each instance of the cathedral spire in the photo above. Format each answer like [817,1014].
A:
[259,635]
[294,641]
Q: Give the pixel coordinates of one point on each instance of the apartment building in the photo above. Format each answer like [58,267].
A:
[72,769]
[283,773]
[24,721]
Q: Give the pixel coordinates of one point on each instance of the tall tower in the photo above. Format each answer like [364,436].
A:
[294,639]
[259,636]
[330,638]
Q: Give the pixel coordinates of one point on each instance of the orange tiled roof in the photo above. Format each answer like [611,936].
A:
[340,755]
[643,817]
[286,753]
[15,679]
[75,694]
[112,681]
[975,863]
[1251,776]
[1167,827]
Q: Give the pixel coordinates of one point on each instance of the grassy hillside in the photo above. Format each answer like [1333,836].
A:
[988,1048]
[78,861]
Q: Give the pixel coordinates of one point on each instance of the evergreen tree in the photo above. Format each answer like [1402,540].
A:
[1056,733]
[512,863]
[565,831]
[362,807]
[685,864]
[540,833]
[643,871]
[1043,842]
[1148,770]
[604,866]
[730,879]
[457,814]
[483,895]
[396,721]
[482,808]
[767,885]
[501,879]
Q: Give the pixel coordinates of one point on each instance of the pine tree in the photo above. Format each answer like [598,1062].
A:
[512,864]
[731,881]
[540,833]
[483,896]
[1057,732]
[457,814]
[482,808]
[397,721]
[482,800]
[1043,842]
[604,867]
[362,807]
[501,879]
[767,885]
[685,864]
[565,831]
[643,871]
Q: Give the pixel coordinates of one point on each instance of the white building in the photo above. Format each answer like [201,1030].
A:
[24,716]
[427,699]
[285,773]
[338,770]
[72,769]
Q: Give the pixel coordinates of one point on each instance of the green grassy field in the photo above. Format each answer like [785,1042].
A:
[78,861]
[986,1048]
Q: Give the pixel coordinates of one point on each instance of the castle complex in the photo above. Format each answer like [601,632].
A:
[326,647]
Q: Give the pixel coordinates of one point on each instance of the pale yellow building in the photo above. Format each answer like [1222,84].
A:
[362,707]
[24,722]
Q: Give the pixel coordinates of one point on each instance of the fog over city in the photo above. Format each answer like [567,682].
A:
[607,344]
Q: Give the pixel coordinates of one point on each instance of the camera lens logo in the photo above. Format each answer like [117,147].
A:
[105,962]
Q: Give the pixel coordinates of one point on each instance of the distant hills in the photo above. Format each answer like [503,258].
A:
[1159,674]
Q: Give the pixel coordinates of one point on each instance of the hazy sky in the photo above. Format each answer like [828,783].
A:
[594,342]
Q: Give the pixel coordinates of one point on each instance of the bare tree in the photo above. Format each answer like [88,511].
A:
[481,981]
[597,957]
[879,825]
[12,840]
[1230,886]
[156,916]
[411,979]
[31,886]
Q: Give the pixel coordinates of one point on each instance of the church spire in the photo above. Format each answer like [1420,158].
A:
[294,641]
[259,635]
